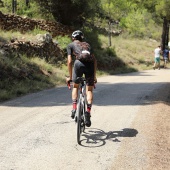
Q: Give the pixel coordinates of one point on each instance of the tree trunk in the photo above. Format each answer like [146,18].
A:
[27,2]
[109,35]
[14,6]
[165,33]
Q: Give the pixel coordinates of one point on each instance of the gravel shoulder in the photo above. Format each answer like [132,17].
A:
[150,149]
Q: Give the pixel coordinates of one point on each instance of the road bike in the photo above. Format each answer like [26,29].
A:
[81,108]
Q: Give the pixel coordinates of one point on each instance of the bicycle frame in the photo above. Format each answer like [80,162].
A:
[81,109]
[82,94]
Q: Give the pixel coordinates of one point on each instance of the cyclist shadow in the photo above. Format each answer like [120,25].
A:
[96,137]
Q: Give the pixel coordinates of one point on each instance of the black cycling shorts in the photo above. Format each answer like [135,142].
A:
[86,68]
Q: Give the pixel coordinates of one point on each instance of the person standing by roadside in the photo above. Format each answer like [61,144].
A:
[166,55]
[169,44]
[157,53]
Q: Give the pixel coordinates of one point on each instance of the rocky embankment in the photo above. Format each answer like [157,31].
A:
[42,46]
[24,24]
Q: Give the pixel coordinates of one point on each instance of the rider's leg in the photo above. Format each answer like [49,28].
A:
[89,75]
[89,92]
[75,91]
[76,73]
[74,99]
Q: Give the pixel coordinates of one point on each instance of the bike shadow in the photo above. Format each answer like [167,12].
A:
[94,137]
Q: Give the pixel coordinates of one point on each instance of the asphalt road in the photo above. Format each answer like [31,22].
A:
[37,133]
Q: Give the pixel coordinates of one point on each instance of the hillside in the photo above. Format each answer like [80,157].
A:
[32,59]
[29,56]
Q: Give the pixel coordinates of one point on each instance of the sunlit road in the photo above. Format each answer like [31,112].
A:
[37,133]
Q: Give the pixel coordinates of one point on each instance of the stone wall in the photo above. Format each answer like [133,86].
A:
[42,46]
[18,23]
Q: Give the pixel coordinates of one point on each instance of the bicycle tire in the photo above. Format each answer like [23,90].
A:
[79,122]
[84,109]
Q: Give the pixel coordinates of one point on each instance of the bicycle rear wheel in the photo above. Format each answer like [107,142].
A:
[79,121]
[83,116]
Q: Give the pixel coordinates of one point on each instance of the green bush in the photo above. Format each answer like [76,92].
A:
[62,41]
[31,11]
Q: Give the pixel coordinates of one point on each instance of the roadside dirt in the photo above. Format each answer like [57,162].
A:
[151,147]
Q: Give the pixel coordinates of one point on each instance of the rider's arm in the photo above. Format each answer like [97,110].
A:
[69,61]
[69,65]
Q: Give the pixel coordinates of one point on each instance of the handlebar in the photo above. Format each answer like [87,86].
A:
[80,79]
[69,85]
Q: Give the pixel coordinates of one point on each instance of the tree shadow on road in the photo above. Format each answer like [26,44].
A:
[96,137]
[107,93]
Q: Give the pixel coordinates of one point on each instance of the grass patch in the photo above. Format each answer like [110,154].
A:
[62,41]
[6,36]
[20,75]
[136,54]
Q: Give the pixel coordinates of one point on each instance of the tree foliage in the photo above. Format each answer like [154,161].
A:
[138,17]
[70,12]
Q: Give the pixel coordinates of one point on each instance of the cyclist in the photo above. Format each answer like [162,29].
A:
[80,68]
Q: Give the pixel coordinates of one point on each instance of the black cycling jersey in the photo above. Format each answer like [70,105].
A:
[70,48]
[81,68]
